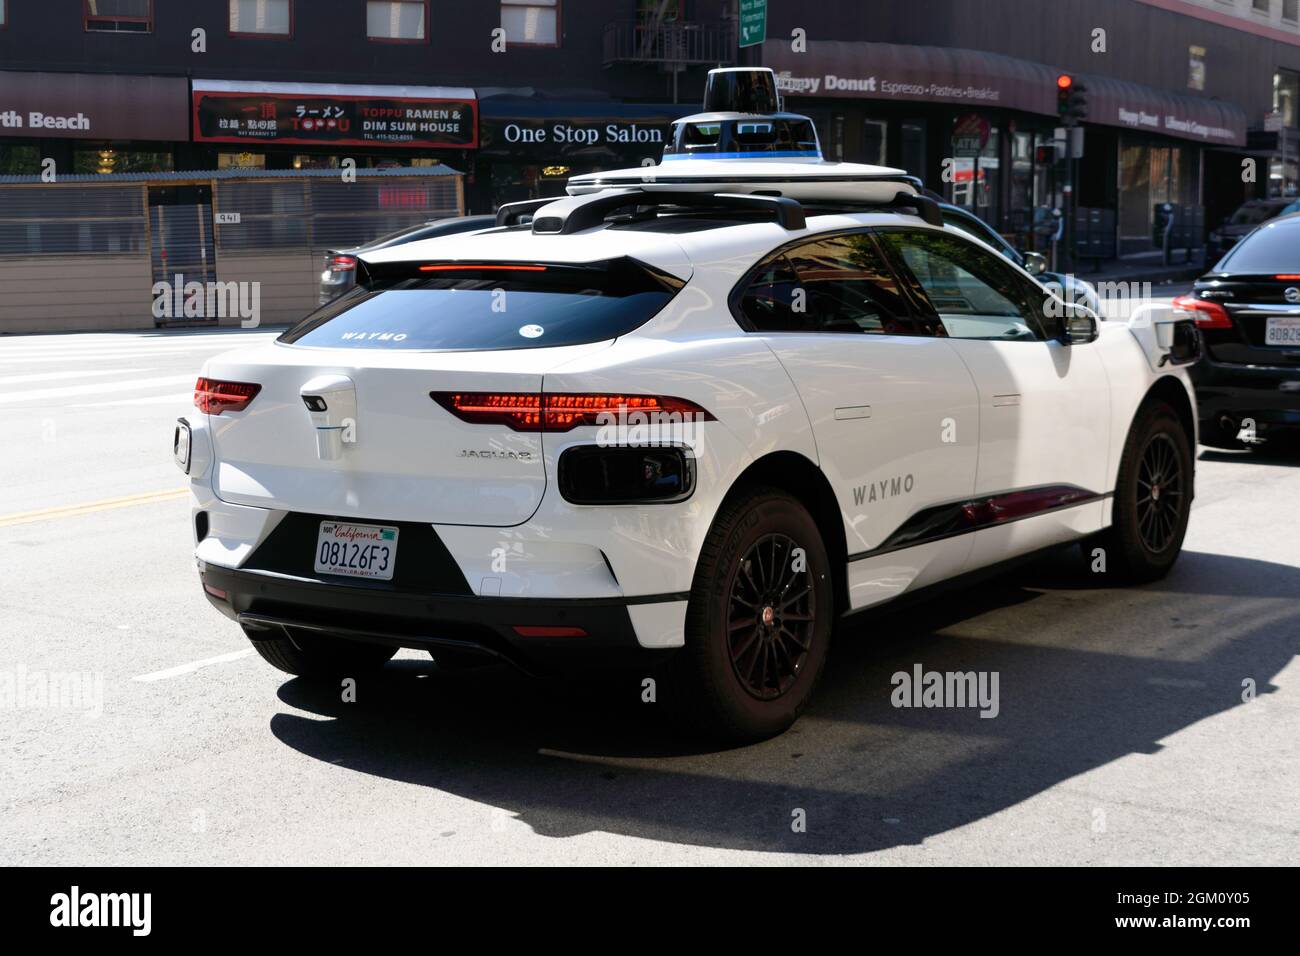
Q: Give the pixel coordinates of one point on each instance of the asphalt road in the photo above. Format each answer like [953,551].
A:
[1122,737]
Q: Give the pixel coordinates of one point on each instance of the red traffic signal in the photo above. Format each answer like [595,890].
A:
[1071,100]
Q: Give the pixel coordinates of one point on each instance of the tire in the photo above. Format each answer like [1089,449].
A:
[317,655]
[1153,498]
[750,553]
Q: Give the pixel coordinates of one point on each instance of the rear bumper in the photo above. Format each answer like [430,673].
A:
[455,626]
[1228,395]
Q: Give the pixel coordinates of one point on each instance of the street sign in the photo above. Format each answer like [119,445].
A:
[1273,122]
[753,22]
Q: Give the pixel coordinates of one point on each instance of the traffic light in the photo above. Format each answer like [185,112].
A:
[1064,83]
[1071,100]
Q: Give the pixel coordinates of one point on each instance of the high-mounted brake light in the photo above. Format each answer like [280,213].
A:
[535,412]
[214,397]
[479,267]
[1208,315]
[343,263]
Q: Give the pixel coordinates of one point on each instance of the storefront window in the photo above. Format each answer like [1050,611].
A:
[19,160]
[912,147]
[111,158]
[976,180]
[1150,175]
[1020,215]
[1134,192]
[875,142]
[305,161]
[241,161]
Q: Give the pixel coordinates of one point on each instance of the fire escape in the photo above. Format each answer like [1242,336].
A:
[671,45]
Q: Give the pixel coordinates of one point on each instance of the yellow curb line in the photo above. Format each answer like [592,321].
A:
[91,507]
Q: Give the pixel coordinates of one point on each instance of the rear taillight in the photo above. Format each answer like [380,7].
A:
[1287,278]
[343,263]
[1208,315]
[536,412]
[214,397]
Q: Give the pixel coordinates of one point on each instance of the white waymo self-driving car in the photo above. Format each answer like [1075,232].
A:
[686,417]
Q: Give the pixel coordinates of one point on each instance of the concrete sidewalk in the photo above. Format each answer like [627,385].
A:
[1146,269]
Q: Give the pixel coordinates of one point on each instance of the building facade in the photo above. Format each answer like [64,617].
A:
[1184,95]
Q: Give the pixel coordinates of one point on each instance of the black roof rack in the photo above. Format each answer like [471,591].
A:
[564,215]
[570,214]
[509,214]
[925,207]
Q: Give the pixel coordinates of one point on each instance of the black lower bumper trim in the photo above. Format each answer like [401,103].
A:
[458,625]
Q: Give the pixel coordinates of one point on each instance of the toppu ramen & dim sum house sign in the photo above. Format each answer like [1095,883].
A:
[328,114]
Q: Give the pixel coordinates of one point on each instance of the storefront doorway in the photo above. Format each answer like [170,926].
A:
[181,243]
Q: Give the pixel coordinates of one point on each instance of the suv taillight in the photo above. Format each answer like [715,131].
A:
[214,397]
[537,412]
[1208,315]
[343,263]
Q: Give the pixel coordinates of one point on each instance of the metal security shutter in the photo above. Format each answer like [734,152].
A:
[74,257]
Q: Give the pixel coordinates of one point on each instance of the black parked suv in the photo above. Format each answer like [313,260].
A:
[1248,310]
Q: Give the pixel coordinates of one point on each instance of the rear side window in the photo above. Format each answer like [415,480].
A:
[459,306]
[832,284]
[1273,249]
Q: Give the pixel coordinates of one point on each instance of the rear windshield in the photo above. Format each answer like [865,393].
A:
[458,306]
[1272,249]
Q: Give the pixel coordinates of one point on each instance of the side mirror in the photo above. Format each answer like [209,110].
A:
[1035,263]
[1078,325]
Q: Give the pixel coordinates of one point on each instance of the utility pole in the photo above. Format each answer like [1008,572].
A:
[1072,107]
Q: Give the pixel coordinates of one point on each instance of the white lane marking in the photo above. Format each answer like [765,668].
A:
[68,391]
[190,668]
[176,356]
[12,355]
[184,399]
[85,345]
[55,376]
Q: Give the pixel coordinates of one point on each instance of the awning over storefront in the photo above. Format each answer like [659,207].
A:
[569,131]
[1133,106]
[94,106]
[334,114]
[903,73]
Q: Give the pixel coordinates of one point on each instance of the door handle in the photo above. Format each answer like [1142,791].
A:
[850,412]
[1002,401]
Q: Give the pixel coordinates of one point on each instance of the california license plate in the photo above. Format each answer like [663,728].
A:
[356,550]
[1283,330]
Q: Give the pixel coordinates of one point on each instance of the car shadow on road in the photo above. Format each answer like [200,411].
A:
[1086,676]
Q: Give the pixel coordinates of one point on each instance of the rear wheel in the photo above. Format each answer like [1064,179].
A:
[758,623]
[317,655]
[1153,498]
